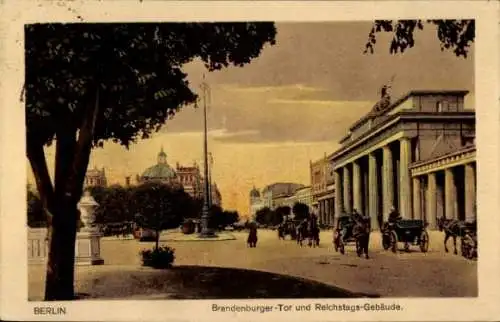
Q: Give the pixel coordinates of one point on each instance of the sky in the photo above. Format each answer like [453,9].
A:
[291,105]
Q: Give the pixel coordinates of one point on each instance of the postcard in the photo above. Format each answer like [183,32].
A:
[192,161]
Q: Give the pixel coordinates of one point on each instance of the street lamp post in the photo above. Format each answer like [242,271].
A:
[206,231]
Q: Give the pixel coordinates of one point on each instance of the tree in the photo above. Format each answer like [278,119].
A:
[300,211]
[114,204]
[36,215]
[280,213]
[456,35]
[89,83]
[156,208]
[262,215]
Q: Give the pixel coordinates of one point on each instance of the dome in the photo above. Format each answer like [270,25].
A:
[254,193]
[160,171]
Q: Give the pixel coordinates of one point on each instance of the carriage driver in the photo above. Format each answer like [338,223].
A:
[393,215]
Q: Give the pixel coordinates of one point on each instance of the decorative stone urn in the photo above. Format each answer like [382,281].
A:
[88,239]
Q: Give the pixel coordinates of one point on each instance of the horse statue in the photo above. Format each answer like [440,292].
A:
[361,233]
[252,236]
[453,228]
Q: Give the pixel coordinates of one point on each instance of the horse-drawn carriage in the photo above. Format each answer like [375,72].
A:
[288,227]
[468,241]
[407,231]
[347,231]
[468,245]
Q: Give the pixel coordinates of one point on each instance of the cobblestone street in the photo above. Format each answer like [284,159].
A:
[414,274]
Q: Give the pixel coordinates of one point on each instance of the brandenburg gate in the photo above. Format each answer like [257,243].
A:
[416,154]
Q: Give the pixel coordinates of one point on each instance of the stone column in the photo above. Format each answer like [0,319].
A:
[387,181]
[405,207]
[347,190]
[431,200]
[373,189]
[450,194]
[417,203]
[339,204]
[356,186]
[321,211]
[470,192]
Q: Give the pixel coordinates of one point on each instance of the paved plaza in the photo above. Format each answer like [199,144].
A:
[414,274]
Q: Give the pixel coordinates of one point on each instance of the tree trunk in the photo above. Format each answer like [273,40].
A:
[157,244]
[61,262]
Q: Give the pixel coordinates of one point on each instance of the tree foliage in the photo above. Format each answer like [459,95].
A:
[300,211]
[114,204]
[36,213]
[455,35]
[157,207]
[89,83]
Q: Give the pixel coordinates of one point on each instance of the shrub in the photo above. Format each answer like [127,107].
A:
[161,257]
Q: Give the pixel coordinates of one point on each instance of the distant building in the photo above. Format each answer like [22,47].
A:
[216,195]
[95,178]
[160,172]
[302,195]
[255,203]
[323,189]
[190,178]
[273,194]
[416,154]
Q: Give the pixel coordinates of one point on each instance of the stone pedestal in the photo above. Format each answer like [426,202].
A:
[88,239]
[88,248]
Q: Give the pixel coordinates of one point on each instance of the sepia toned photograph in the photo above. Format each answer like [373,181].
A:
[251,160]
[263,165]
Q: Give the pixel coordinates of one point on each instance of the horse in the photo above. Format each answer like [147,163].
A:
[281,232]
[313,233]
[252,237]
[302,232]
[361,233]
[452,228]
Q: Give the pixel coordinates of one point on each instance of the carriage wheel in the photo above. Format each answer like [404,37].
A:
[386,241]
[424,242]
[407,247]
[394,242]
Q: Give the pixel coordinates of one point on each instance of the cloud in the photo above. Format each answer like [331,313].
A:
[269,89]
[313,102]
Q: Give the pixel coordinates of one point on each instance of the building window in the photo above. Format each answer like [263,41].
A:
[439,107]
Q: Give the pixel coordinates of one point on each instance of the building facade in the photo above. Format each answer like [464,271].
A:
[276,191]
[190,178]
[301,195]
[187,177]
[95,178]
[416,155]
[323,189]
[216,195]
[256,203]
